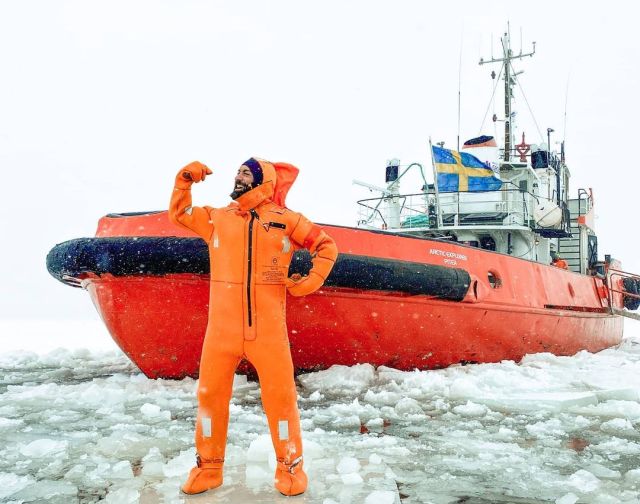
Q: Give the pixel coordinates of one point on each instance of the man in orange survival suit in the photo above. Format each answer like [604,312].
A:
[251,242]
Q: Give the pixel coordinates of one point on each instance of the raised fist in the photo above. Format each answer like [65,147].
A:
[194,172]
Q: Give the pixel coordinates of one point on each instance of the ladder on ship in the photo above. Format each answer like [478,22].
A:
[570,248]
[580,250]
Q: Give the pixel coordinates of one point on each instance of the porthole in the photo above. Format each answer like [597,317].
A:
[494,279]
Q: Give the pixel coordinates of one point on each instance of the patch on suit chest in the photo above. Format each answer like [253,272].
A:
[273,273]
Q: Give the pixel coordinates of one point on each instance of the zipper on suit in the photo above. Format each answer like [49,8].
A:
[249,265]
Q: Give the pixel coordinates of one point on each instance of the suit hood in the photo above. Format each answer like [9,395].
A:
[277,179]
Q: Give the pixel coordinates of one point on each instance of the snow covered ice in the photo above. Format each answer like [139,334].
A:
[82,425]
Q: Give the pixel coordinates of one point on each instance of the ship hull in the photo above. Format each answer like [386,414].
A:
[371,310]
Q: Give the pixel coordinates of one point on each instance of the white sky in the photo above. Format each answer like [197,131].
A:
[102,102]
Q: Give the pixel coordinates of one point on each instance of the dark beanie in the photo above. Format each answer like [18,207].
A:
[256,170]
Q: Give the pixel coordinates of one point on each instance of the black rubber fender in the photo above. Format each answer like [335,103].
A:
[72,260]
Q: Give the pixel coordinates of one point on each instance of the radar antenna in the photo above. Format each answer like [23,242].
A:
[509,81]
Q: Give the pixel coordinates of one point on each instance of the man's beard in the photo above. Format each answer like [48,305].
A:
[239,189]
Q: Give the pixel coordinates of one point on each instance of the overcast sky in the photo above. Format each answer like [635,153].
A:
[102,102]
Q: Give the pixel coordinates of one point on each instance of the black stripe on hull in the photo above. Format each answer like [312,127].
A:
[157,256]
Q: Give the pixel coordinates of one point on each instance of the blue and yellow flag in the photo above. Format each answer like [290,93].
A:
[461,172]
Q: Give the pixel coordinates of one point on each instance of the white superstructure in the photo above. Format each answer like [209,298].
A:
[530,216]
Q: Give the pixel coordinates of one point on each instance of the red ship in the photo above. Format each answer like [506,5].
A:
[452,274]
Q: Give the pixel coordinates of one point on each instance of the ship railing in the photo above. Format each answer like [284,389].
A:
[508,206]
[585,202]
[371,215]
[504,207]
[627,285]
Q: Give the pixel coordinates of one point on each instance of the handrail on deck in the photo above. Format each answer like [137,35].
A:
[616,273]
[631,300]
[514,206]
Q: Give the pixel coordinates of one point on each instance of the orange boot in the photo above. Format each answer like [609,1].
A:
[290,479]
[205,476]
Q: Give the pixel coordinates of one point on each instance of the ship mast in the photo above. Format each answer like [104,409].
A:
[509,74]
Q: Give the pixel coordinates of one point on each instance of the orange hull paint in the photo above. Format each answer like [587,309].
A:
[535,308]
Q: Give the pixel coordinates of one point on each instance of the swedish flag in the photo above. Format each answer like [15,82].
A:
[460,172]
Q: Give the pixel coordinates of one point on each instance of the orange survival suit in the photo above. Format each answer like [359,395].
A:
[251,242]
